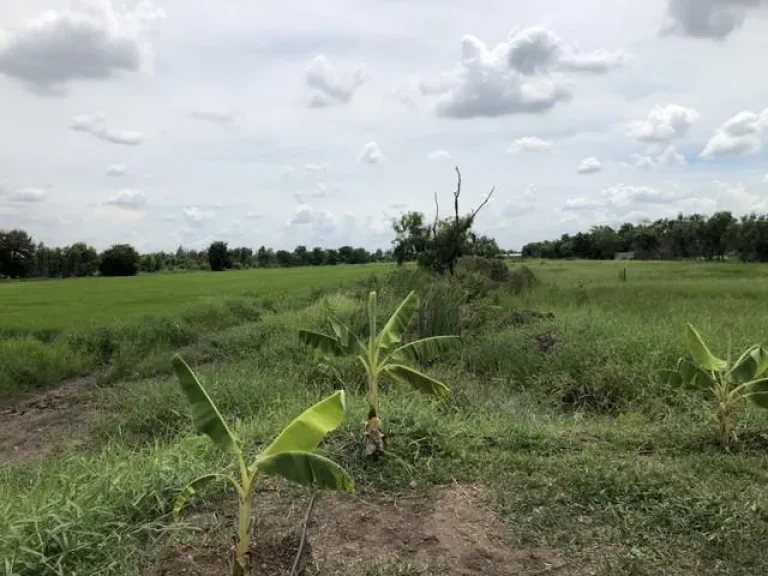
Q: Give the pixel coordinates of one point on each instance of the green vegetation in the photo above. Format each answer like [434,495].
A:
[129,327]
[384,355]
[730,382]
[556,410]
[291,455]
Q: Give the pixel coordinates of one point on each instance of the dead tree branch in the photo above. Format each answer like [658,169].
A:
[437,216]
[457,194]
[484,202]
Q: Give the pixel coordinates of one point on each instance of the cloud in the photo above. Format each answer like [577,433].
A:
[714,19]
[27,195]
[316,167]
[116,169]
[196,217]
[370,154]
[320,191]
[669,157]
[128,199]
[439,155]
[525,75]
[305,215]
[664,123]
[86,40]
[327,88]
[530,144]
[739,200]
[96,124]
[739,135]
[589,165]
[623,195]
[215,117]
[580,204]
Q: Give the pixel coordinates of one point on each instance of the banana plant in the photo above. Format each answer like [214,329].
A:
[291,455]
[383,354]
[730,382]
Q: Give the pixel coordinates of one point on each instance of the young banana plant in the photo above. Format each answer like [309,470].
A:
[730,382]
[383,354]
[291,455]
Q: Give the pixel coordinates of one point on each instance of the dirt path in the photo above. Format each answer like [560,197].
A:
[50,422]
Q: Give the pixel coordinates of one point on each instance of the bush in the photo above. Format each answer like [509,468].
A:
[29,363]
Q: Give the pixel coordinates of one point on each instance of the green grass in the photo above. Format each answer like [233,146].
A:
[129,327]
[583,450]
[80,303]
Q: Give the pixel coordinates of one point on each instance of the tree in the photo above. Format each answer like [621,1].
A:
[284,258]
[318,256]
[441,245]
[119,260]
[333,257]
[265,257]
[346,254]
[219,257]
[17,254]
[80,260]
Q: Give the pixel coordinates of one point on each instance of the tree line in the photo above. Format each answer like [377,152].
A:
[693,236]
[22,257]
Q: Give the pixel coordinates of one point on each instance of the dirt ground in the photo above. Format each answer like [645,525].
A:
[48,422]
[450,532]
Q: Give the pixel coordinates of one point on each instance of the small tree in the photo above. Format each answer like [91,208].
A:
[17,254]
[219,257]
[119,260]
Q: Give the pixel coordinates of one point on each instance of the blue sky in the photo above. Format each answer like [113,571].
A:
[167,122]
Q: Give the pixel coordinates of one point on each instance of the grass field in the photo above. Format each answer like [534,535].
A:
[53,305]
[560,452]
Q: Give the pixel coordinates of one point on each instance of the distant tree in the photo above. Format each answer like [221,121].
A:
[485,247]
[80,260]
[17,254]
[301,256]
[346,254]
[332,258]
[284,258]
[219,257]
[360,256]
[411,237]
[318,256]
[119,260]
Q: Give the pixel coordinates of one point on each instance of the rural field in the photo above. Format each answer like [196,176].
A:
[560,450]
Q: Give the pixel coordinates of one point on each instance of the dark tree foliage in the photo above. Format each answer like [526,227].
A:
[219,257]
[686,237]
[17,254]
[440,245]
[119,260]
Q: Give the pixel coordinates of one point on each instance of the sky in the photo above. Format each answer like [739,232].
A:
[173,122]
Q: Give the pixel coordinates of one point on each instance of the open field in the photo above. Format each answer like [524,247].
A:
[53,305]
[559,453]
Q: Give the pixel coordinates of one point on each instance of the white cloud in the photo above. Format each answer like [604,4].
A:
[439,155]
[739,200]
[530,144]
[195,216]
[663,123]
[83,40]
[28,195]
[96,124]
[623,195]
[316,167]
[370,154]
[129,199]
[522,76]
[589,165]
[116,169]
[707,18]
[671,157]
[327,89]
[320,191]
[739,135]
[582,203]
[765,178]
[213,116]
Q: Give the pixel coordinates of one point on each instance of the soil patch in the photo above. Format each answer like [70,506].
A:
[449,532]
[51,421]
